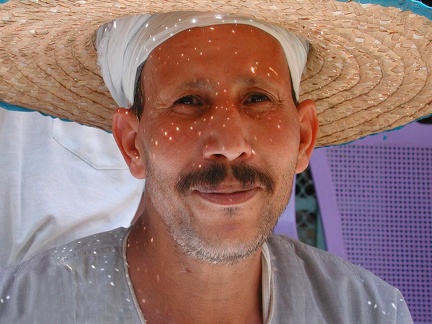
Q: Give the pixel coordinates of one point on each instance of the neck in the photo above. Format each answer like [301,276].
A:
[173,287]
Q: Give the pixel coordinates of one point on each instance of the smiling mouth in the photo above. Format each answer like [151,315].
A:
[228,198]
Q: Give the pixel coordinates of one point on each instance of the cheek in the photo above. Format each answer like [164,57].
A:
[279,133]
[171,145]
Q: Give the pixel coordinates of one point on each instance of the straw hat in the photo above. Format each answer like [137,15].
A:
[370,67]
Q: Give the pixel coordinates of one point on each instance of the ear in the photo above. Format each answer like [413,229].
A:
[308,133]
[125,130]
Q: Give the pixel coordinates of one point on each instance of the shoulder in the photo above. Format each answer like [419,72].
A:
[331,287]
[317,264]
[72,253]
[303,255]
[82,278]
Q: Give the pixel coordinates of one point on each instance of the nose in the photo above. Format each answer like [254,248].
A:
[227,136]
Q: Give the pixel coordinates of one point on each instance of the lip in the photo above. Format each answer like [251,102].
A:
[227,198]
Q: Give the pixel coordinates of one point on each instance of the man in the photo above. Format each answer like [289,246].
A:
[216,130]
[214,203]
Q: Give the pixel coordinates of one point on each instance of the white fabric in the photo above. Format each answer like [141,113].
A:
[58,181]
[125,43]
[86,281]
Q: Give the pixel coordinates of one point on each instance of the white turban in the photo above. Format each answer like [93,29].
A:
[124,44]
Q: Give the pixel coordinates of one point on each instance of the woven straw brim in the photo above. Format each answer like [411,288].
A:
[369,69]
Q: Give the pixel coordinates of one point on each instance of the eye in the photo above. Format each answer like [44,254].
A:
[189,100]
[257,103]
[189,105]
[256,98]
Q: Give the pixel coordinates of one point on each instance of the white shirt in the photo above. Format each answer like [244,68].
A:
[58,181]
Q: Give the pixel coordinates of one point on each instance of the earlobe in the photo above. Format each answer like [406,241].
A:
[125,130]
[308,133]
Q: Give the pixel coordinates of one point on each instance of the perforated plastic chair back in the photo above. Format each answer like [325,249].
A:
[375,199]
[286,224]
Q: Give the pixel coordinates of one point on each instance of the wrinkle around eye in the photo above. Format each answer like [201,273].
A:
[256,98]
[188,100]
[188,105]
[258,103]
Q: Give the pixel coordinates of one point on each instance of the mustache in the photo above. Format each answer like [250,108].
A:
[214,174]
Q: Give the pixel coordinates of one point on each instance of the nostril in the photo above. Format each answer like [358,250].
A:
[229,154]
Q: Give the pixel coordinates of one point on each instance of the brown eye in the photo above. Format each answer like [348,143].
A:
[257,103]
[189,105]
[188,100]
[256,98]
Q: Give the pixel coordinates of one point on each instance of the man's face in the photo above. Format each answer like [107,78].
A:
[220,136]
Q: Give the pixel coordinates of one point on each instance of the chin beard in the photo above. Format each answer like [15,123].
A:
[215,251]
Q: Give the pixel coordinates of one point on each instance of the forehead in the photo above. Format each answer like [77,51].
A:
[229,32]
[220,47]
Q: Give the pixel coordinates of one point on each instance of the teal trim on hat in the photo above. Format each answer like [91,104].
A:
[7,106]
[10,107]
[414,6]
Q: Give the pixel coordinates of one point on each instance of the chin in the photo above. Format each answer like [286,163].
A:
[225,249]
